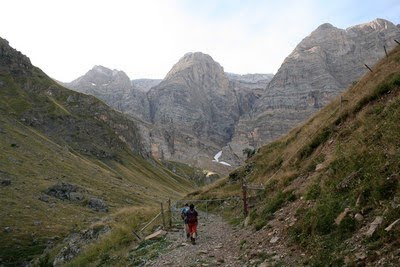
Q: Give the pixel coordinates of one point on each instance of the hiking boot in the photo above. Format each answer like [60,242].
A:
[193,241]
[187,236]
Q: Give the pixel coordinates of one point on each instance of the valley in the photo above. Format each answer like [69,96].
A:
[84,165]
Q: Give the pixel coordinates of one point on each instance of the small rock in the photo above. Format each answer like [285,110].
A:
[319,167]
[378,220]
[14,145]
[44,198]
[5,182]
[387,229]
[361,255]
[264,264]
[341,216]
[246,221]
[7,229]
[221,260]
[203,251]
[37,223]
[156,235]
[276,258]
[358,217]
[274,240]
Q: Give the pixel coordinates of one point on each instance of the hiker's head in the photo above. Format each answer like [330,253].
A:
[186,204]
[191,206]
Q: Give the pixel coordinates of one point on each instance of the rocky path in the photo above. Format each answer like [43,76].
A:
[216,246]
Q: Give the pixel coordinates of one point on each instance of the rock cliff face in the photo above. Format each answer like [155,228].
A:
[321,66]
[145,85]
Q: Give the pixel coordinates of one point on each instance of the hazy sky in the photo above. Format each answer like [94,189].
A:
[66,38]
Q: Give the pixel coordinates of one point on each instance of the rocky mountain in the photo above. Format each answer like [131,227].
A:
[321,66]
[116,89]
[198,108]
[189,115]
[145,85]
[66,159]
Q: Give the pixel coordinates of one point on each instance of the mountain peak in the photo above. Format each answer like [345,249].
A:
[13,60]
[196,61]
[376,24]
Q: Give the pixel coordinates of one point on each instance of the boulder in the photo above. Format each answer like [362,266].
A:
[62,190]
[156,235]
[97,204]
[5,182]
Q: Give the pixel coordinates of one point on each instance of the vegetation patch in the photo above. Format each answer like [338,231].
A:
[321,138]
[147,250]
[383,88]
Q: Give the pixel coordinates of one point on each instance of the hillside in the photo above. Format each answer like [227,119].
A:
[332,184]
[67,160]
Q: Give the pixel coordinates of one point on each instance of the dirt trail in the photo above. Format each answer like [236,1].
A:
[216,245]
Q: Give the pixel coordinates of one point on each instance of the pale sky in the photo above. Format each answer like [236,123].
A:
[66,38]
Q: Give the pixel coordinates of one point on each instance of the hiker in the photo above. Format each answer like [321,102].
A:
[184,218]
[191,216]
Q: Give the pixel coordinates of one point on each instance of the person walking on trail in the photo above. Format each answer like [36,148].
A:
[191,216]
[184,218]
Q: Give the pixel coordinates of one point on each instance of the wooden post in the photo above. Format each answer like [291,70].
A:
[162,214]
[245,205]
[384,47]
[170,213]
[368,67]
[397,41]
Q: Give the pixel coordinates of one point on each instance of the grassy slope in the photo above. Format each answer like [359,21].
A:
[358,146]
[46,139]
